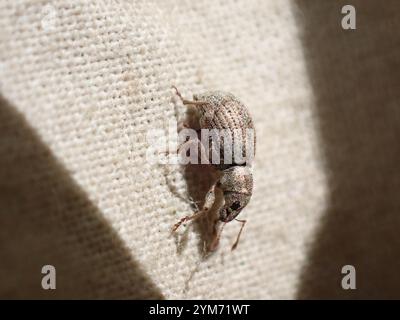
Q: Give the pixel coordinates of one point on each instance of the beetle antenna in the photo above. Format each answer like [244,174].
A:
[243,222]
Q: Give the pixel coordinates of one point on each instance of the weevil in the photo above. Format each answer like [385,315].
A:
[221,110]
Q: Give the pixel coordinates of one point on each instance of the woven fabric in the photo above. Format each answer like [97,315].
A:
[82,82]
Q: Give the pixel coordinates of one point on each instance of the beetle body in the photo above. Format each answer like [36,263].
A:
[223,112]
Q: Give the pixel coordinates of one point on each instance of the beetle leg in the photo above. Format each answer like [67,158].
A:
[188,102]
[243,222]
[187,218]
[208,203]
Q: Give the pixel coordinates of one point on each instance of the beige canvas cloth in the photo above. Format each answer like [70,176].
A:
[82,82]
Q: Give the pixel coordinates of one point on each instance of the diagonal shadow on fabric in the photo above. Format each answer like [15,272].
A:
[355,75]
[45,218]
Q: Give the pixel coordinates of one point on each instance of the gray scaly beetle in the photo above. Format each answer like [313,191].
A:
[220,110]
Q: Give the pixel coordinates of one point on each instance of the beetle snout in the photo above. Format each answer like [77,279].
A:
[227,214]
[224,215]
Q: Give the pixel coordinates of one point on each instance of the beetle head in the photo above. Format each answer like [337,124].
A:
[236,184]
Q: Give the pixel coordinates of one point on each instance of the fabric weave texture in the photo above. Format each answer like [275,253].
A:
[81,84]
